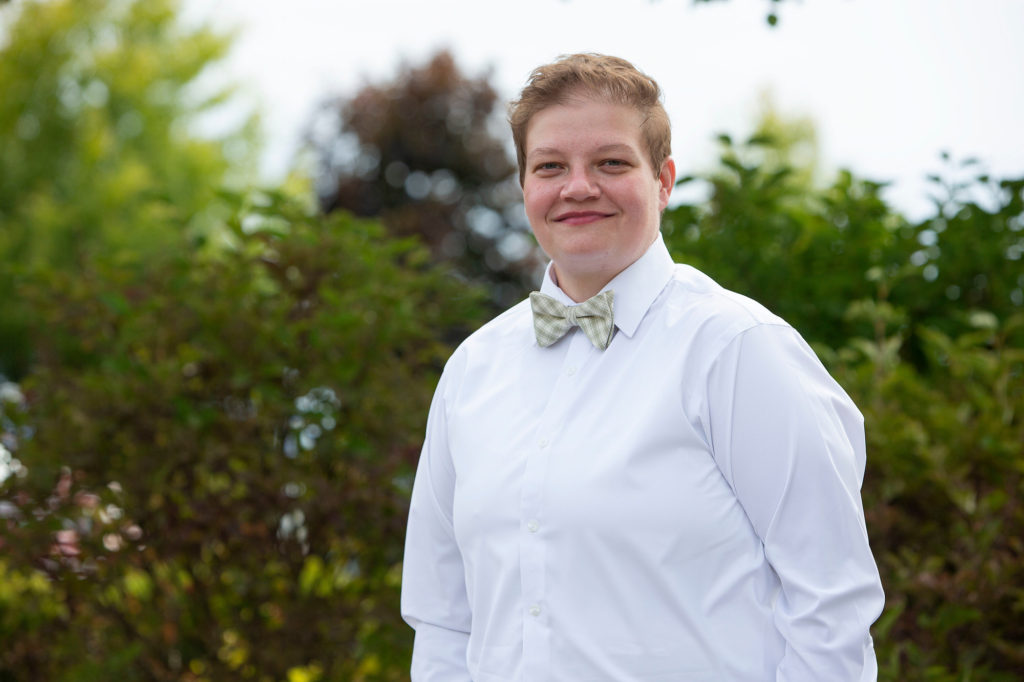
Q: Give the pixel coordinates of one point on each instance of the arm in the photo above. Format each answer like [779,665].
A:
[434,598]
[791,444]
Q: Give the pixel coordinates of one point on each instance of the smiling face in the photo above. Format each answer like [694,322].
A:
[591,196]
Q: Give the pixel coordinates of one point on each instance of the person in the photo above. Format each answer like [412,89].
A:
[670,496]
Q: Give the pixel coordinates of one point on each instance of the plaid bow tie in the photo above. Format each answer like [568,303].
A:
[551,319]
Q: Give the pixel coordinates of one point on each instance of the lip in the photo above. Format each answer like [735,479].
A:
[580,217]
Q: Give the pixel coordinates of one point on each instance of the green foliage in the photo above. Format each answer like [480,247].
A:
[210,454]
[808,253]
[96,153]
[923,324]
[226,444]
[942,497]
[805,256]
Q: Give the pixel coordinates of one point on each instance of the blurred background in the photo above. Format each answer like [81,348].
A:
[239,240]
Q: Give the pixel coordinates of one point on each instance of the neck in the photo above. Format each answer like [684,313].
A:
[581,283]
[579,289]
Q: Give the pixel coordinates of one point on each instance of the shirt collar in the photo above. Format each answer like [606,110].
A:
[635,288]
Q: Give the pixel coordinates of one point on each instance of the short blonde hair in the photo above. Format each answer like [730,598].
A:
[610,78]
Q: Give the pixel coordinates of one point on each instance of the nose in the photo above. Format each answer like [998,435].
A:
[579,186]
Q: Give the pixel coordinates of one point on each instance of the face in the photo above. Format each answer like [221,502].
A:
[592,198]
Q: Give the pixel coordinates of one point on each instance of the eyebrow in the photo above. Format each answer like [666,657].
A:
[603,149]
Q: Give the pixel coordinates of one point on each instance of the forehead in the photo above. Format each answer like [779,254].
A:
[584,124]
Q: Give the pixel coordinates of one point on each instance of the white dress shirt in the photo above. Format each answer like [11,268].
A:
[683,506]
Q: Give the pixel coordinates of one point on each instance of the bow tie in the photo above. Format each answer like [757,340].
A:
[551,319]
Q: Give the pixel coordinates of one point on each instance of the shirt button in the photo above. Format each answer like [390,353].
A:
[570,371]
[533,526]
[535,610]
[543,442]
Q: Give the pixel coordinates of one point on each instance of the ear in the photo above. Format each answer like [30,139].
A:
[666,181]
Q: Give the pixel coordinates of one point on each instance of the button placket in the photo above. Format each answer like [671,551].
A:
[532,555]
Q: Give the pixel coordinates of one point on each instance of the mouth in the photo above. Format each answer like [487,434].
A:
[580,217]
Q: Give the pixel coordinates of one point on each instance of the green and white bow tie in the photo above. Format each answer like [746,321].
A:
[551,319]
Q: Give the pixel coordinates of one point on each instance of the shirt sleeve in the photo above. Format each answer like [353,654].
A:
[791,444]
[434,598]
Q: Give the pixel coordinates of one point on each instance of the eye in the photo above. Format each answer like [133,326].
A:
[614,164]
[547,167]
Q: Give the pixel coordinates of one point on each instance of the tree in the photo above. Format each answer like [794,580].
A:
[809,252]
[205,468]
[923,324]
[95,140]
[220,456]
[968,254]
[420,153]
[942,498]
[805,253]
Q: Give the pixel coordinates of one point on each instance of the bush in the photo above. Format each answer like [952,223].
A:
[923,324]
[222,449]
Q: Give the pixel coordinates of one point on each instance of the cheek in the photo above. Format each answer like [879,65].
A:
[535,201]
[645,199]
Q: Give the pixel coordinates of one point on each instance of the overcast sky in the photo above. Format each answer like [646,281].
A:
[888,83]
